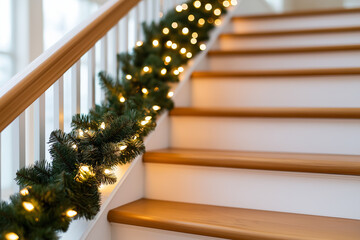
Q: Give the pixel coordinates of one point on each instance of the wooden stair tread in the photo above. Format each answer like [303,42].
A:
[278,50]
[292,32]
[233,223]
[277,73]
[298,13]
[270,112]
[294,162]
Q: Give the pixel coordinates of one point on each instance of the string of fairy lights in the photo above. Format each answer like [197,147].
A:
[86,171]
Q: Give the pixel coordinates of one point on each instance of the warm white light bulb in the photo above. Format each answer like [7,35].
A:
[195,35]
[201,21]
[183,50]
[202,47]
[197,4]
[176,72]
[174,25]
[144,91]
[184,6]
[191,17]
[107,171]
[167,59]
[166,31]
[74,146]
[144,123]
[28,206]
[217,22]
[102,125]
[128,77]
[146,69]
[71,213]
[178,8]
[148,118]
[168,43]
[208,7]
[11,236]
[193,41]
[81,133]
[24,191]
[234,2]
[174,46]
[122,148]
[189,55]
[170,94]
[185,30]
[155,43]
[217,12]
[85,168]
[139,43]
[122,99]
[156,107]
[226,3]
[181,69]
[163,71]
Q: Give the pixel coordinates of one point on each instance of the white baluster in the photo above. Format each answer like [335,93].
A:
[75,88]
[59,104]
[103,60]
[91,77]
[39,128]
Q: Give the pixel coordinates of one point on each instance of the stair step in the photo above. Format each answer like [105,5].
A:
[233,223]
[297,20]
[276,73]
[292,32]
[318,57]
[345,113]
[293,162]
[290,38]
[285,50]
[301,13]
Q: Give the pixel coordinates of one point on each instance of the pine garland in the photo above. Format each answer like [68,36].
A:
[54,193]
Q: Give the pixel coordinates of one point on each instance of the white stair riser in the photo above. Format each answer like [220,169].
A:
[278,61]
[307,91]
[128,232]
[298,40]
[300,22]
[335,136]
[315,194]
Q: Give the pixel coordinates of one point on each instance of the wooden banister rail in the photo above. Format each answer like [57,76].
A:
[24,88]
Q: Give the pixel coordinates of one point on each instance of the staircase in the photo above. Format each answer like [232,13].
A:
[270,147]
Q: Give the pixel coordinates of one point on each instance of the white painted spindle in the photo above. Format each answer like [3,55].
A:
[91,77]
[75,89]
[59,104]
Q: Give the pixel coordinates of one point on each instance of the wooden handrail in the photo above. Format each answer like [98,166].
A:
[24,88]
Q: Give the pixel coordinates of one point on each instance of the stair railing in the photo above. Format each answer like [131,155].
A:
[93,46]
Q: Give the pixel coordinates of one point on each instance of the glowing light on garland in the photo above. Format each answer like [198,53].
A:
[178,8]
[184,6]
[102,125]
[155,43]
[174,25]
[183,50]
[197,4]
[71,213]
[208,7]
[201,21]
[202,47]
[128,77]
[217,12]
[166,31]
[163,71]
[28,206]
[107,171]
[156,107]
[170,94]
[144,91]
[122,99]
[11,236]
[191,17]
[185,31]
[24,192]
[139,43]
[122,148]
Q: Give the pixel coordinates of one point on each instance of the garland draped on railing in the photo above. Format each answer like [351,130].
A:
[54,193]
